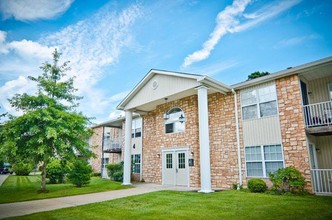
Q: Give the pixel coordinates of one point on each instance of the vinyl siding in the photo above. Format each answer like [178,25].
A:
[318,90]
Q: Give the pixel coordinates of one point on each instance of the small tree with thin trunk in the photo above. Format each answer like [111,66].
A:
[50,126]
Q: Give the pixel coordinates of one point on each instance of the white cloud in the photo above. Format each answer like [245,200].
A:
[27,48]
[19,85]
[90,45]
[214,69]
[229,21]
[29,10]
[116,114]
[3,47]
[297,40]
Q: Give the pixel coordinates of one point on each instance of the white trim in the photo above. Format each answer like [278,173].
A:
[263,160]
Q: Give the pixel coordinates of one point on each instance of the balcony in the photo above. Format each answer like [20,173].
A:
[318,118]
[112,145]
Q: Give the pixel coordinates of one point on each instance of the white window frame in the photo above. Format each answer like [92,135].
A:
[258,101]
[263,160]
[173,118]
[329,87]
[105,162]
[136,127]
[135,163]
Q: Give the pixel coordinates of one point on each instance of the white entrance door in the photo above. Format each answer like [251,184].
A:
[313,156]
[175,167]
[314,165]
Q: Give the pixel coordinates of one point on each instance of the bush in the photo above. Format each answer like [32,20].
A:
[115,171]
[96,174]
[22,168]
[257,185]
[56,170]
[288,179]
[80,173]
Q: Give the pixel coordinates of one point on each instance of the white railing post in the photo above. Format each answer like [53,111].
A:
[322,181]
[318,114]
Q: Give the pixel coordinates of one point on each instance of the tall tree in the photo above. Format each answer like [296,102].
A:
[257,74]
[50,125]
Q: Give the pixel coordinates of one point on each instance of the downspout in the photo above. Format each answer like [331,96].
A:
[238,140]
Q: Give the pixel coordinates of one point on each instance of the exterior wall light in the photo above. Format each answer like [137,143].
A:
[182,118]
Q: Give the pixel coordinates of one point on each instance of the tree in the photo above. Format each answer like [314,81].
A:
[257,74]
[50,126]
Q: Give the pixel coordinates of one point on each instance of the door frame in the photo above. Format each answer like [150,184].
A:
[175,150]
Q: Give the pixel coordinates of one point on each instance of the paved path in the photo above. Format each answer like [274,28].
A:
[3,178]
[29,207]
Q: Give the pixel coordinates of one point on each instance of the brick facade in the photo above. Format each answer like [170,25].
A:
[154,138]
[223,144]
[97,139]
[222,134]
[292,126]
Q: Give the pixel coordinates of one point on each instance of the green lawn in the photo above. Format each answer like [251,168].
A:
[22,188]
[190,205]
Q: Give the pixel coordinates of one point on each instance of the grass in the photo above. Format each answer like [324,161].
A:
[190,205]
[23,188]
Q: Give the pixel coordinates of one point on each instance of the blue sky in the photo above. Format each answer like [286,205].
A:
[112,44]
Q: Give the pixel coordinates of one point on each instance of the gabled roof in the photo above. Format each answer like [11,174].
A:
[200,79]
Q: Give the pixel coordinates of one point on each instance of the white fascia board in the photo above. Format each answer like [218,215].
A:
[214,84]
[291,71]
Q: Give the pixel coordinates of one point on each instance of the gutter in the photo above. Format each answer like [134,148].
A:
[238,140]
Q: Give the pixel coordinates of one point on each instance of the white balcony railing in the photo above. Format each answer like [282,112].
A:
[112,144]
[322,181]
[318,114]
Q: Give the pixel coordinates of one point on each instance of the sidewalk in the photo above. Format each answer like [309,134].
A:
[3,177]
[29,207]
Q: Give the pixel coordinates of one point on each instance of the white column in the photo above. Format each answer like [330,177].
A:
[204,142]
[127,148]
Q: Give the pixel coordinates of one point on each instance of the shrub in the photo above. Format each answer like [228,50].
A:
[97,174]
[257,185]
[115,171]
[80,173]
[56,170]
[22,168]
[288,179]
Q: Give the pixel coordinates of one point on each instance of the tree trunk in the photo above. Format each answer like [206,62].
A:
[43,182]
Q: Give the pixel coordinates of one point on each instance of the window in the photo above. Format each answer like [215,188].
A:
[259,102]
[330,90]
[169,161]
[105,162]
[136,161]
[262,160]
[182,160]
[173,123]
[136,128]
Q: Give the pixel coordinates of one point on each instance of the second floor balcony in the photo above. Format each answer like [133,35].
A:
[112,145]
[318,118]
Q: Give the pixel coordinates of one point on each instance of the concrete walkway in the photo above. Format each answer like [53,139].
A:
[29,207]
[3,177]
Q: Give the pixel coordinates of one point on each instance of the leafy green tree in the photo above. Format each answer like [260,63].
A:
[50,125]
[257,74]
